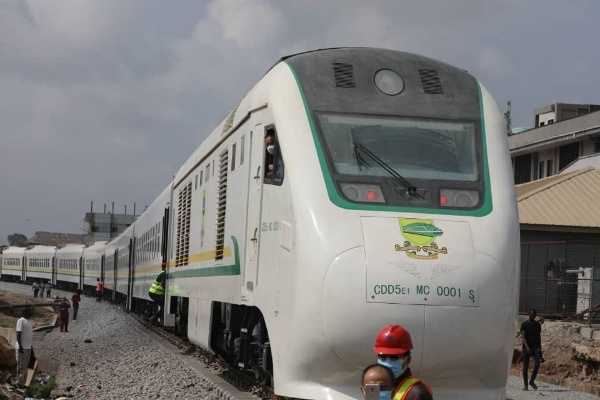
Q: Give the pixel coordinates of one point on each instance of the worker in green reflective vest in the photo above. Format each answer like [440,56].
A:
[157,293]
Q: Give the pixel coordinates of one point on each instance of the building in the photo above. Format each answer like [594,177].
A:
[560,233]
[563,133]
[57,239]
[106,226]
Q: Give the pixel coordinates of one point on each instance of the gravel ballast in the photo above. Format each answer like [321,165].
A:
[121,359]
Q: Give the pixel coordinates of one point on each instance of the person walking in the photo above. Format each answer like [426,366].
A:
[75,299]
[99,288]
[24,341]
[531,334]
[48,290]
[393,346]
[36,288]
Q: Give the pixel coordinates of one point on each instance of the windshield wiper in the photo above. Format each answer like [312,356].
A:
[411,189]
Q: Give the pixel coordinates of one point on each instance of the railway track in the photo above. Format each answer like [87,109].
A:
[214,367]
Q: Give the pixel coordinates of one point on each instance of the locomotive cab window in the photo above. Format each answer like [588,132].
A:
[404,161]
[274,170]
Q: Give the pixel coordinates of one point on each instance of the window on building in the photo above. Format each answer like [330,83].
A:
[549,168]
[597,146]
[567,154]
[550,122]
[201,177]
[196,182]
[207,172]
[542,123]
[541,169]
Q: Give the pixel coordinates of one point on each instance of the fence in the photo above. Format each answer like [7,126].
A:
[559,279]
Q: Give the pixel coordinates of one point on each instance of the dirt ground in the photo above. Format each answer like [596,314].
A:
[565,364]
[41,315]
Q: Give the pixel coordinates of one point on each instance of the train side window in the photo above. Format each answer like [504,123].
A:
[242,143]
[233,148]
[274,169]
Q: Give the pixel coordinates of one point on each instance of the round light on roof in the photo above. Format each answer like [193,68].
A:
[389,82]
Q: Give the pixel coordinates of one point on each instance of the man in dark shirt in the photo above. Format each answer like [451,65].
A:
[531,334]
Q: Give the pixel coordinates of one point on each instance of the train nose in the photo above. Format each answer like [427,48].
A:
[406,265]
[419,261]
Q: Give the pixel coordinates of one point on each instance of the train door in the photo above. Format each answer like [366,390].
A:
[81,272]
[255,187]
[24,269]
[53,273]
[130,278]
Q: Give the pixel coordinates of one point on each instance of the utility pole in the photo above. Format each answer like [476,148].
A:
[508,118]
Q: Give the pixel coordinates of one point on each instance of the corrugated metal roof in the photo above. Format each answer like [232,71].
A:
[563,131]
[571,199]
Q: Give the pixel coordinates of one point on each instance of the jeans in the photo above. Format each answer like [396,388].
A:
[22,361]
[536,353]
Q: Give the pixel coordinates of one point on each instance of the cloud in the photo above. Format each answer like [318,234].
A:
[104,100]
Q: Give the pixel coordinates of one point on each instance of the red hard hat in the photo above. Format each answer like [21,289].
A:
[393,340]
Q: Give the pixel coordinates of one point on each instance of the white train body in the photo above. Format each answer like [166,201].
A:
[68,266]
[149,233]
[92,263]
[39,263]
[392,201]
[12,262]
[327,272]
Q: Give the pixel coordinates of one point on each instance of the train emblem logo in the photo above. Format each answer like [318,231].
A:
[420,235]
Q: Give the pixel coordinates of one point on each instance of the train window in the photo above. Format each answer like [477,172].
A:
[233,148]
[274,170]
[242,143]
[415,148]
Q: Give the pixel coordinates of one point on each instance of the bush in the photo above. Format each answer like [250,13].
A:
[40,390]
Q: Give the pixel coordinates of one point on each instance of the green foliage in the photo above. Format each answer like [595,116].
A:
[41,391]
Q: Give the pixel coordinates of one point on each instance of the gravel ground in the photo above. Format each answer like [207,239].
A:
[545,391]
[123,361]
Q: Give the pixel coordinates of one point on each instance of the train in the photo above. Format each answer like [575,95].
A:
[350,188]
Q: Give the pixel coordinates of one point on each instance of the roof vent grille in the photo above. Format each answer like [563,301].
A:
[430,80]
[344,75]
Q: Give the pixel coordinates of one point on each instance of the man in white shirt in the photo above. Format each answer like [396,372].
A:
[24,340]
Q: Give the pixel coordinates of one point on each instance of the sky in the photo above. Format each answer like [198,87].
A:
[103,100]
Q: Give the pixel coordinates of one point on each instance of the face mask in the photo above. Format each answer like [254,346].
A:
[397,366]
[271,148]
[385,395]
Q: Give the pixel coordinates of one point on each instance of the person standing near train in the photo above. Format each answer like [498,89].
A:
[75,299]
[99,288]
[24,342]
[393,346]
[531,333]
[157,293]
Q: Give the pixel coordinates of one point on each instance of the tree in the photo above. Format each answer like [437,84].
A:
[17,239]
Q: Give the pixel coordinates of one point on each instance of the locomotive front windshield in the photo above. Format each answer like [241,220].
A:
[415,148]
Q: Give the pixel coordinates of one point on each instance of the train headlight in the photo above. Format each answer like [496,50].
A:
[388,82]
[362,193]
[459,198]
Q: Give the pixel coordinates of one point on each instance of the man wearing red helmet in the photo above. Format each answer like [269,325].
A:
[393,346]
